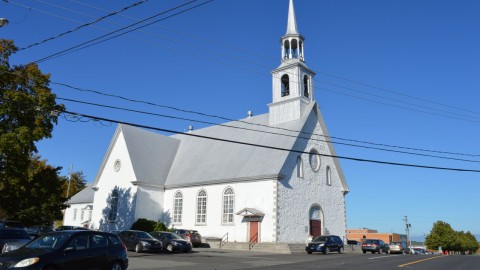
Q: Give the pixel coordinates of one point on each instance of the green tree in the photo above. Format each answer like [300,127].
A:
[73,183]
[38,202]
[441,235]
[26,106]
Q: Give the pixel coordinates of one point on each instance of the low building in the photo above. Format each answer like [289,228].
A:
[360,235]
[79,211]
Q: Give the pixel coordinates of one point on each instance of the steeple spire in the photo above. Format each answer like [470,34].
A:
[292,21]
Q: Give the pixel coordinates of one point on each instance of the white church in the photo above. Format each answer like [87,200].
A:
[279,185]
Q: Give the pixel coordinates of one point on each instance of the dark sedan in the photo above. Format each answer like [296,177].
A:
[325,244]
[69,250]
[12,238]
[140,241]
[375,246]
[172,241]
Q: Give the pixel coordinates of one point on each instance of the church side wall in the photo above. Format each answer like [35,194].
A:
[258,195]
[72,219]
[297,195]
[150,202]
[109,180]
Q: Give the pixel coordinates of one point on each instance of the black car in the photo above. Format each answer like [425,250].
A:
[375,245]
[325,244]
[140,241]
[12,238]
[172,241]
[69,250]
[36,231]
[11,224]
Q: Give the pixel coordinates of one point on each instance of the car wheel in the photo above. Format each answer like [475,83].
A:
[170,248]
[340,250]
[364,251]
[380,251]
[116,266]
[388,251]
[327,251]
[138,248]
[309,252]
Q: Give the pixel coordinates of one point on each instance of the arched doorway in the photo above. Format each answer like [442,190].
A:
[315,220]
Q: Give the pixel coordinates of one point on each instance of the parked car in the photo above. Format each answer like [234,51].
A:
[172,242]
[69,227]
[12,238]
[11,224]
[36,231]
[399,247]
[325,244]
[420,251]
[190,235]
[69,250]
[140,241]
[375,246]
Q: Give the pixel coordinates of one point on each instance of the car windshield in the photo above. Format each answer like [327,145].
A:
[143,235]
[395,243]
[14,234]
[172,236]
[321,239]
[49,241]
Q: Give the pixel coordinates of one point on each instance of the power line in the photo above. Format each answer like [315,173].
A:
[84,45]
[260,131]
[268,147]
[83,25]
[229,119]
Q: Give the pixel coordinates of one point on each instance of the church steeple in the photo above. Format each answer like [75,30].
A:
[292,81]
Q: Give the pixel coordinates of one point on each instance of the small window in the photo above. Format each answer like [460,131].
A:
[177,207]
[82,215]
[305,86]
[201,207]
[299,167]
[329,176]
[285,85]
[314,160]
[75,214]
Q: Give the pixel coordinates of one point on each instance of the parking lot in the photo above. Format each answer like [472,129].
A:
[218,259]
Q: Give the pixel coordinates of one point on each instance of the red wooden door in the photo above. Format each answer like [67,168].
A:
[253,232]
[315,227]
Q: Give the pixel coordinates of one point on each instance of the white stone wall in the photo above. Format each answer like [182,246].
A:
[110,179]
[70,219]
[149,204]
[259,195]
[297,195]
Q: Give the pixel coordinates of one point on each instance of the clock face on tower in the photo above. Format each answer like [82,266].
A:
[314,159]
[117,165]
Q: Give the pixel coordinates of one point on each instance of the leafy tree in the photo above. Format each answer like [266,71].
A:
[441,235]
[37,197]
[26,106]
[73,184]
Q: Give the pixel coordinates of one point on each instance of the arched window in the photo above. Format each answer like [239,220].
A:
[286,49]
[285,85]
[112,215]
[177,207]
[299,167]
[329,176]
[201,207]
[228,205]
[305,86]
[294,49]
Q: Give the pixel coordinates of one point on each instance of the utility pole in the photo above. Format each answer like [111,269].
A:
[407,229]
[69,180]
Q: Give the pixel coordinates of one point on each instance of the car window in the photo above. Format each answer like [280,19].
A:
[49,241]
[79,242]
[143,235]
[115,240]
[321,239]
[98,241]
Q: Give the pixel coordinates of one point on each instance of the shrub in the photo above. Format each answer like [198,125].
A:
[146,225]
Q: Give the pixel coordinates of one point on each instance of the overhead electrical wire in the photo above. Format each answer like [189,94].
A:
[84,25]
[268,147]
[240,59]
[256,130]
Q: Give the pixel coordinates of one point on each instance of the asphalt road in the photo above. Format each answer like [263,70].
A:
[215,259]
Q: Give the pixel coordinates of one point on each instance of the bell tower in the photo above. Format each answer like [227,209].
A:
[292,81]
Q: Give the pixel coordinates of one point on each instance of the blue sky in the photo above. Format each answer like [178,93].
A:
[397,73]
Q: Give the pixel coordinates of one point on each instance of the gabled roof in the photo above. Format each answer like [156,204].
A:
[151,154]
[84,196]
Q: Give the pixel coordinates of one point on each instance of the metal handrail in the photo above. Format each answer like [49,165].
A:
[253,240]
[224,241]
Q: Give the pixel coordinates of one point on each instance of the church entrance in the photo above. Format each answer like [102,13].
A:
[315,221]
[253,231]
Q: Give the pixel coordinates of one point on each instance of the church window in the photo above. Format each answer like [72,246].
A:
[228,205]
[75,214]
[305,86]
[201,207]
[177,207]
[314,160]
[285,85]
[286,49]
[294,48]
[82,215]
[299,167]
[112,215]
[329,176]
